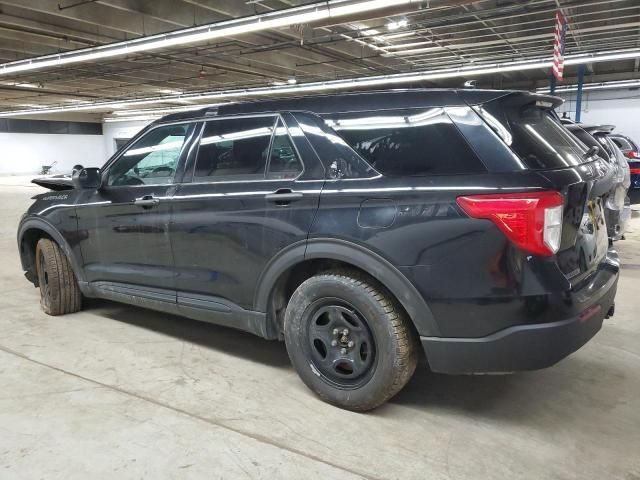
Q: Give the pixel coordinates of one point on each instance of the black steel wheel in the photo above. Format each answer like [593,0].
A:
[349,340]
[340,343]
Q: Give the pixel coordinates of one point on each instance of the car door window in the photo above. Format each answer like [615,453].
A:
[234,149]
[152,159]
[283,160]
[408,142]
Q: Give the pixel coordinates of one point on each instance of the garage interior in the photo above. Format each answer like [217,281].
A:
[116,391]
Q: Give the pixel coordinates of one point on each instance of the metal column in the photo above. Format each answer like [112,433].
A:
[579,95]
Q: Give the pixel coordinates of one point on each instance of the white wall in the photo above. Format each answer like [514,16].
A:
[111,131]
[25,153]
[615,107]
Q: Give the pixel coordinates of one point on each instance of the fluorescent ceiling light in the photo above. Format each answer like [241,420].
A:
[141,118]
[332,85]
[276,19]
[397,24]
[152,111]
[407,45]
[292,81]
[594,86]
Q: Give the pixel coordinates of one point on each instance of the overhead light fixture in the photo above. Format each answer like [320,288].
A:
[397,24]
[140,118]
[169,91]
[275,19]
[162,111]
[292,81]
[619,84]
[332,85]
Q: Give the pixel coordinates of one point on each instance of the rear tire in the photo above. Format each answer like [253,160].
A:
[349,340]
[59,291]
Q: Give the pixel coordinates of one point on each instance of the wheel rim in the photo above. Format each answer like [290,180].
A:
[340,343]
[43,279]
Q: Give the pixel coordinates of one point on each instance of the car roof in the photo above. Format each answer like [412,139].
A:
[357,101]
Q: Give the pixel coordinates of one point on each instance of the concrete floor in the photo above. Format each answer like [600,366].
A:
[120,392]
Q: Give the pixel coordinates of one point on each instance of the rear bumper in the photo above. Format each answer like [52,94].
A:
[526,347]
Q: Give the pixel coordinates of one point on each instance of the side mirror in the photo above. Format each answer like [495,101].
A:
[87,178]
[76,168]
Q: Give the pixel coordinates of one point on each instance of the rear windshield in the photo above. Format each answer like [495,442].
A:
[591,141]
[623,143]
[604,145]
[533,133]
[408,142]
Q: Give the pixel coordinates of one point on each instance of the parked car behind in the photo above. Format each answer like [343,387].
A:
[617,206]
[631,151]
[359,228]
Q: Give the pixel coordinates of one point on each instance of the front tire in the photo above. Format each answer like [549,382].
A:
[349,340]
[59,291]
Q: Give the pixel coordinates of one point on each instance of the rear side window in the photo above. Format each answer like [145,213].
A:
[408,142]
[533,133]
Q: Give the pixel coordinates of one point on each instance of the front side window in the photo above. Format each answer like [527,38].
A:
[234,149]
[408,142]
[152,159]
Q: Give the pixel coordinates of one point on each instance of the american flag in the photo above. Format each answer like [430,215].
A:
[558,45]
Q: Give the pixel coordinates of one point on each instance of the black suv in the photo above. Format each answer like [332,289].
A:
[356,227]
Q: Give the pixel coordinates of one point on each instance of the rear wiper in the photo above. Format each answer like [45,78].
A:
[593,150]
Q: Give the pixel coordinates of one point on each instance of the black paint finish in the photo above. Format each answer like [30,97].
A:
[215,250]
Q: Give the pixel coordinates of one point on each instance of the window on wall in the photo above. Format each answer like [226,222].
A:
[152,159]
[234,149]
[283,161]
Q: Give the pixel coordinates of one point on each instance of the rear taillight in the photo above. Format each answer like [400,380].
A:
[532,221]
[635,171]
[632,154]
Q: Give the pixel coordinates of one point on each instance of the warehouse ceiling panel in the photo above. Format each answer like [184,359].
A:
[116,55]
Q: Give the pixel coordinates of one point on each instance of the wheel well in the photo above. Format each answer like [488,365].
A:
[292,278]
[28,244]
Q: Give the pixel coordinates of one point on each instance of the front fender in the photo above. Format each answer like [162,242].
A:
[40,224]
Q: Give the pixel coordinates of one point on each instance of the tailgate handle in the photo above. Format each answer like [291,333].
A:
[283,196]
[147,201]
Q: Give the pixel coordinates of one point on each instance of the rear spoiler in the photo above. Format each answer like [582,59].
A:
[598,128]
[512,97]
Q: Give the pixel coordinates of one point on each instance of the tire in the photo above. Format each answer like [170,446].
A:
[59,291]
[363,367]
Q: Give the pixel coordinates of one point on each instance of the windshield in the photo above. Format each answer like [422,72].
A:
[533,133]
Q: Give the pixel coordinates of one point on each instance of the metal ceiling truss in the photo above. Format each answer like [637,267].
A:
[426,36]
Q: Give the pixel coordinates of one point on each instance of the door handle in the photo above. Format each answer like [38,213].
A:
[146,201]
[283,196]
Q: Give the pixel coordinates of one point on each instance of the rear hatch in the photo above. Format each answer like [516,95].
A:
[528,125]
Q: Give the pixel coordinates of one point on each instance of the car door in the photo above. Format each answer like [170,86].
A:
[123,227]
[252,195]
